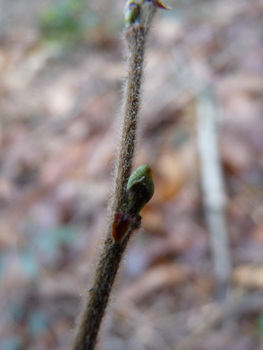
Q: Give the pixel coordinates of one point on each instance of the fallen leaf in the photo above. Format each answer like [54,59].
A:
[154,279]
[248,276]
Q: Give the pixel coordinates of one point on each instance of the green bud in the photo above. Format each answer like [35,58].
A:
[140,189]
[158,4]
[132,12]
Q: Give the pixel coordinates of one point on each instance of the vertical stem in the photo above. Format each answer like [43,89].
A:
[97,297]
[135,37]
[111,253]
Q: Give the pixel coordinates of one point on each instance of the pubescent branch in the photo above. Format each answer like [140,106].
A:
[112,252]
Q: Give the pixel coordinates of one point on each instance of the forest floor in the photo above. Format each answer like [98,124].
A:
[61,78]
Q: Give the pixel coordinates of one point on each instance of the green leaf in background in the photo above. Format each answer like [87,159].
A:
[62,21]
[49,241]
[42,249]
[47,244]
[71,22]
[12,343]
[37,323]
[260,325]
[29,263]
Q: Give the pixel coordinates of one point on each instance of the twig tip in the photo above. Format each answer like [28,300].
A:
[132,10]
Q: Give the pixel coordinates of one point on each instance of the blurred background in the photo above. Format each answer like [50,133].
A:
[61,78]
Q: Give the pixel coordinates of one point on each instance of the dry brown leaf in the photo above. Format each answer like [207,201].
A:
[173,244]
[248,276]
[173,175]
[258,234]
[60,284]
[153,219]
[237,94]
[64,163]
[236,155]
[175,168]
[154,279]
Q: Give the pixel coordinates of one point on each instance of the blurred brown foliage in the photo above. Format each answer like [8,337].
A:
[59,103]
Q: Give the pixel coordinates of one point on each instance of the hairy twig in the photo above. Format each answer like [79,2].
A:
[121,214]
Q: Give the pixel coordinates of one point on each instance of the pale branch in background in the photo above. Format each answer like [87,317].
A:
[213,190]
[212,178]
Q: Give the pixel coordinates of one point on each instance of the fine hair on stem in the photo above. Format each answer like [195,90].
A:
[125,204]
